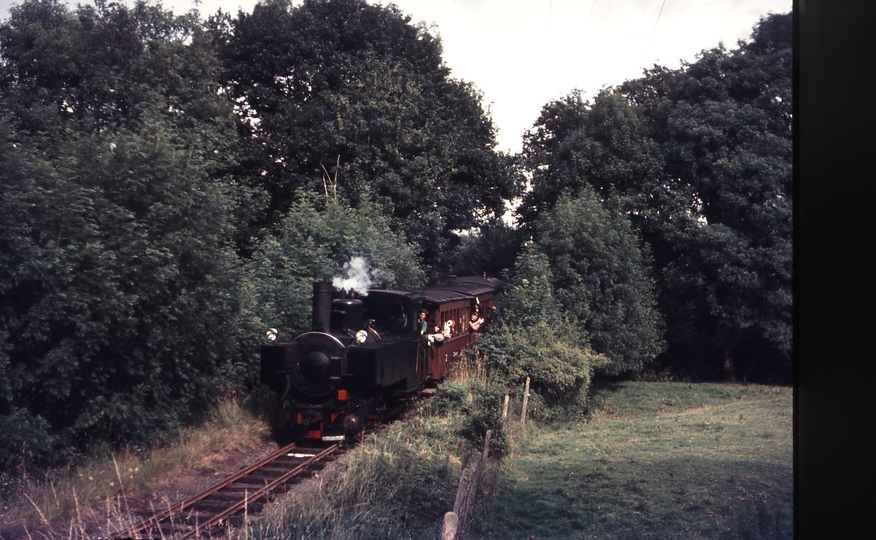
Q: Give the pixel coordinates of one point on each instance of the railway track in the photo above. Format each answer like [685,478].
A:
[225,505]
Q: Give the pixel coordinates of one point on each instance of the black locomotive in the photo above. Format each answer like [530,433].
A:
[365,354]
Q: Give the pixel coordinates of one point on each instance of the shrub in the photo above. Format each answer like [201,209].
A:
[534,339]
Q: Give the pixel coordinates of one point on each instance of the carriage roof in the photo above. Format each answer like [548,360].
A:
[465,288]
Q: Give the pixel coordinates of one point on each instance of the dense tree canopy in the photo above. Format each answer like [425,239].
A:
[159,208]
[172,186]
[122,301]
[356,90]
[575,143]
[700,159]
[102,67]
[724,127]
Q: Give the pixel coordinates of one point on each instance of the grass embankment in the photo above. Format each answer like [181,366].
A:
[96,497]
[397,484]
[655,460]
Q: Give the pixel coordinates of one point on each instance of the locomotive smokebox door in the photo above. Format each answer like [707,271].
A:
[316,363]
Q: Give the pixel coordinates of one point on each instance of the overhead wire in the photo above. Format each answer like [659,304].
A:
[642,61]
[592,5]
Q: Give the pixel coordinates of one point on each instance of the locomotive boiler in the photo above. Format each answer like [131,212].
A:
[365,354]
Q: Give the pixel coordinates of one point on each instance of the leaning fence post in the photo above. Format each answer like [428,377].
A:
[525,401]
[465,495]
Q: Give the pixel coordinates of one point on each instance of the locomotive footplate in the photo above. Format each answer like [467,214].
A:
[333,433]
[408,392]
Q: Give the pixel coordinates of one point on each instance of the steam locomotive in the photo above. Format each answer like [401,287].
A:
[365,354]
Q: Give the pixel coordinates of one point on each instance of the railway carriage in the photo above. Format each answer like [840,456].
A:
[365,354]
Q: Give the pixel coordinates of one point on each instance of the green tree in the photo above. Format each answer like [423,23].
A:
[575,143]
[102,67]
[699,158]
[357,90]
[314,242]
[602,278]
[123,305]
[722,236]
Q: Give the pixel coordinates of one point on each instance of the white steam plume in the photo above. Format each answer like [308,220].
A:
[359,277]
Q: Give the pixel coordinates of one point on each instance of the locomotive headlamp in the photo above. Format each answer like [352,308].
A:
[272,334]
[361,336]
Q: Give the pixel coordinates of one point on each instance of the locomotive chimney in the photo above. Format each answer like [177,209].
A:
[322,306]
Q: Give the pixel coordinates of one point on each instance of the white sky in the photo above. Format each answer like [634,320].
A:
[524,53]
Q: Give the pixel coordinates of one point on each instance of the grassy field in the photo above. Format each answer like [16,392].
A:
[655,460]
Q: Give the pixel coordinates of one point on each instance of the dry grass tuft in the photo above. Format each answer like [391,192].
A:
[103,494]
[472,367]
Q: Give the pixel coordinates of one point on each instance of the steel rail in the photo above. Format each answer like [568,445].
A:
[179,507]
[233,509]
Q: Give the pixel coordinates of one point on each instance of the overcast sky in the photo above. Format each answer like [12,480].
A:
[524,53]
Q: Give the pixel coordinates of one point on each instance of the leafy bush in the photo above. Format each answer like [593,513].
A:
[559,370]
[534,339]
[474,408]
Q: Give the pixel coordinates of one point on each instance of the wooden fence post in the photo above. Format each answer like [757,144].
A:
[525,401]
[486,453]
[465,495]
[505,408]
